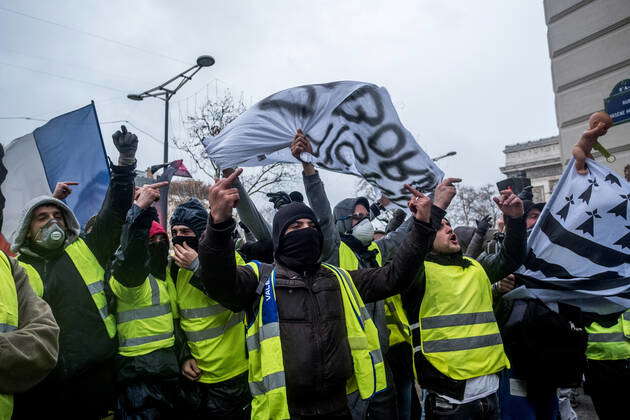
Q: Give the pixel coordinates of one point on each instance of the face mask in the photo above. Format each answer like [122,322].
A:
[300,250]
[158,258]
[51,236]
[364,231]
[191,241]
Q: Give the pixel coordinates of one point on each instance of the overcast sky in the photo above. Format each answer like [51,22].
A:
[464,76]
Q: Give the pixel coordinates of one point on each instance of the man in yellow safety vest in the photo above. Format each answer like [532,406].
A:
[68,268]
[458,348]
[310,339]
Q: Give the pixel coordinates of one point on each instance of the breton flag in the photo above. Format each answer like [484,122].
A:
[353,128]
[579,250]
[66,148]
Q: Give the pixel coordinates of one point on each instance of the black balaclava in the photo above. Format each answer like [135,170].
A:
[191,214]
[157,250]
[301,249]
[158,258]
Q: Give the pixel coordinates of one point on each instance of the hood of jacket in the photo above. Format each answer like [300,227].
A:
[344,209]
[18,239]
[191,214]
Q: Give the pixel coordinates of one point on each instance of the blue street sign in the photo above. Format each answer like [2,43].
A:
[617,105]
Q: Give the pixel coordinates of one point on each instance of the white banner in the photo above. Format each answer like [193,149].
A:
[353,128]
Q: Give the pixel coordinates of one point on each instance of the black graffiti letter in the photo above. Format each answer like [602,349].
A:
[294,108]
[382,149]
[361,115]
[402,171]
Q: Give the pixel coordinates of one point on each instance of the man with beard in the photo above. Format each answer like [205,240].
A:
[146,365]
[216,367]
[459,351]
[349,244]
[310,338]
[70,268]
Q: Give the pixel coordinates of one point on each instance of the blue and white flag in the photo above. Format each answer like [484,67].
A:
[579,250]
[353,128]
[66,148]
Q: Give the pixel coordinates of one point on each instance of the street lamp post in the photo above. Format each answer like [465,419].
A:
[165,93]
[435,159]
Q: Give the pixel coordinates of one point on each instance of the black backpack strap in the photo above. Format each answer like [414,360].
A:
[264,271]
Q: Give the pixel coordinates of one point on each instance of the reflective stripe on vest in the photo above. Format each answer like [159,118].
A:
[609,343]
[395,316]
[144,316]
[92,274]
[458,333]
[34,279]
[9,311]
[266,365]
[215,335]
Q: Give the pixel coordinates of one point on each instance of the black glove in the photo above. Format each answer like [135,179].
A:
[397,219]
[279,199]
[375,210]
[127,144]
[483,224]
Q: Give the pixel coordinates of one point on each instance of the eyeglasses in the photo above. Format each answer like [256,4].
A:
[356,216]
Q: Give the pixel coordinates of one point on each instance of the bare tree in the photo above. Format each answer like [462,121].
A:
[208,122]
[472,203]
[180,191]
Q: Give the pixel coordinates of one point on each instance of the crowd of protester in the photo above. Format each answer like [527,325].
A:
[316,316]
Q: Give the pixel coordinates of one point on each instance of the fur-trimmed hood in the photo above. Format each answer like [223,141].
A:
[73,228]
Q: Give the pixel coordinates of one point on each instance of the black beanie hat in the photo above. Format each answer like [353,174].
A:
[191,214]
[288,214]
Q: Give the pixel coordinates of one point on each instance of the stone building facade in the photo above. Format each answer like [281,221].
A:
[589,46]
[538,160]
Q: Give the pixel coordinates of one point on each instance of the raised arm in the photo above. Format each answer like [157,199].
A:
[390,243]
[379,283]
[318,200]
[233,287]
[130,268]
[248,213]
[476,243]
[514,249]
[104,237]
[29,353]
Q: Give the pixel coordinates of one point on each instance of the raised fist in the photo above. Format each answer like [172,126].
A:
[126,143]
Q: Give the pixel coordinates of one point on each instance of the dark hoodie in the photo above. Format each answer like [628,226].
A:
[83,377]
[314,340]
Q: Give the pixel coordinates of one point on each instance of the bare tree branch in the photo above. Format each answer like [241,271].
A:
[208,122]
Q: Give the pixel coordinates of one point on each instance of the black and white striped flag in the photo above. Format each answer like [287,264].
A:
[579,251]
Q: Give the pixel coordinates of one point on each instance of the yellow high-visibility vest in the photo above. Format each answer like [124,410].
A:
[92,274]
[609,343]
[459,335]
[144,315]
[34,278]
[395,316]
[266,366]
[215,335]
[8,320]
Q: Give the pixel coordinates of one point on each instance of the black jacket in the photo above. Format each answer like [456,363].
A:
[315,349]
[83,339]
[496,266]
[85,350]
